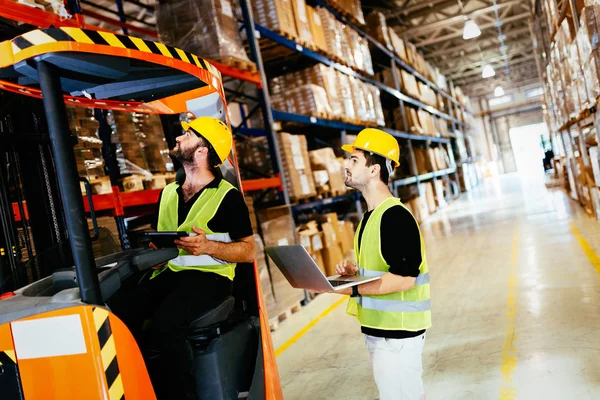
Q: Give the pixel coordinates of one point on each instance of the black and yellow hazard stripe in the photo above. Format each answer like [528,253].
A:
[108,352]
[68,34]
[10,381]
[7,357]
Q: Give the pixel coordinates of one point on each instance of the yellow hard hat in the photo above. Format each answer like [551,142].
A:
[216,132]
[378,142]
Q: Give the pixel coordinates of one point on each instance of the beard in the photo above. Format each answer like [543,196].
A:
[348,181]
[184,156]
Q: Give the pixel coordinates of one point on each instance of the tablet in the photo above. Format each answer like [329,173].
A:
[164,239]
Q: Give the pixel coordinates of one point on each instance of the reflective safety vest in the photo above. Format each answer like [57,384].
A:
[409,310]
[203,210]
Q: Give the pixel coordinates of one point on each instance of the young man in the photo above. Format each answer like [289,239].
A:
[202,276]
[393,311]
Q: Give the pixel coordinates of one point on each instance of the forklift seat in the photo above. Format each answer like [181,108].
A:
[217,315]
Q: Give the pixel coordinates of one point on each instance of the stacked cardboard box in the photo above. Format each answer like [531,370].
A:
[316,30]
[350,8]
[88,151]
[324,160]
[409,84]
[265,276]
[332,251]
[276,15]
[311,238]
[141,146]
[302,24]
[344,44]
[413,124]
[377,27]
[278,230]
[53,6]
[253,157]
[398,45]
[298,175]
[153,142]
[321,91]
[206,28]
[588,38]
[427,197]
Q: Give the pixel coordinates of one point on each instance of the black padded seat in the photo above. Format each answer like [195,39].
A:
[214,316]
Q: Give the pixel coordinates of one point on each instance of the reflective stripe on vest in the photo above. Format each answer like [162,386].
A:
[394,305]
[421,279]
[407,310]
[200,214]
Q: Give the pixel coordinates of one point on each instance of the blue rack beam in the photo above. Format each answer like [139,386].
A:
[264,32]
[390,54]
[424,177]
[307,120]
[320,203]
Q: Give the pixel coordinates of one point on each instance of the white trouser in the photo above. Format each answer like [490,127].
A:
[398,367]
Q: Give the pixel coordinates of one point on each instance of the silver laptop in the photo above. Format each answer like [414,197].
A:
[302,272]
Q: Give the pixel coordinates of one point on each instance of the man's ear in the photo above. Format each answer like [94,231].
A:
[375,169]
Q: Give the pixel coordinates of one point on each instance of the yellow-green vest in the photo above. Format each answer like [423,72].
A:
[409,310]
[203,210]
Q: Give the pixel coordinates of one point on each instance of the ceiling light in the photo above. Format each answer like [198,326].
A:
[498,91]
[471,30]
[487,71]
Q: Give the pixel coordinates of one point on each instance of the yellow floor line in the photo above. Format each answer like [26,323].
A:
[587,249]
[508,389]
[312,323]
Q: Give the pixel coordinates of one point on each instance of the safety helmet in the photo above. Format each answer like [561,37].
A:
[216,132]
[378,142]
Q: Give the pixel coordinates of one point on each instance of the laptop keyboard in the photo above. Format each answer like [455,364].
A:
[339,283]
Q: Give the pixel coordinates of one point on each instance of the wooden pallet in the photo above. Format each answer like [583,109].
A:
[244,65]
[282,316]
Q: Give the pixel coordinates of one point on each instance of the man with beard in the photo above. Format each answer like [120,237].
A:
[201,277]
[393,311]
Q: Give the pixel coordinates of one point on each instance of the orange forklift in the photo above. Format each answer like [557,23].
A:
[58,336]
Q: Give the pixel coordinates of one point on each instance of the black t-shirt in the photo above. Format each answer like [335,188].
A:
[401,249]
[231,217]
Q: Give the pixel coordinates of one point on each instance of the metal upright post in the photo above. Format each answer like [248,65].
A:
[122,17]
[108,153]
[263,94]
[68,182]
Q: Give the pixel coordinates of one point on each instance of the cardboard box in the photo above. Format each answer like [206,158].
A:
[263,271]
[278,231]
[276,15]
[377,27]
[301,19]
[427,193]
[346,229]
[331,257]
[297,171]
[595,161]
[203,27]
[330,235]
[325,159]
[316,29]
[333,35]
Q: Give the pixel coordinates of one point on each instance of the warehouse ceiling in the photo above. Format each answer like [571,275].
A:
[436,28]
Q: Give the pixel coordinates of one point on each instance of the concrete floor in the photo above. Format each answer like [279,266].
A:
[516,307]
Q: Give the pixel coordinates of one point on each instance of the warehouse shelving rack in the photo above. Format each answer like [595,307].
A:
[117,204]
[570,138]
[275,118]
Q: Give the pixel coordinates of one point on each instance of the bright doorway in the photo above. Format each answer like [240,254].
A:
[528,150]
